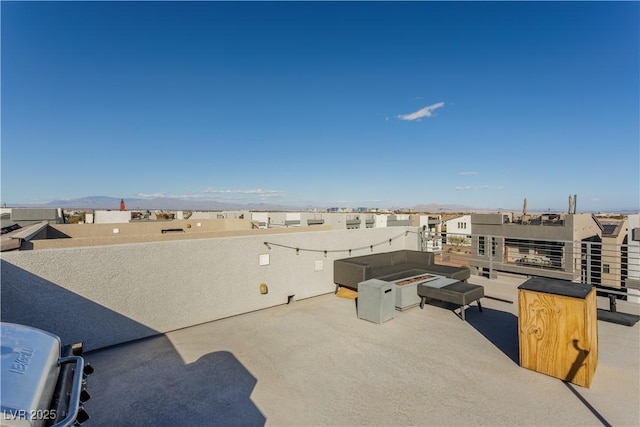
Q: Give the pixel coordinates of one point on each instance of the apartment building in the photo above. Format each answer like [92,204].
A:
[633,256]
[614,253]
[458,230]
[562,246]
[28,216]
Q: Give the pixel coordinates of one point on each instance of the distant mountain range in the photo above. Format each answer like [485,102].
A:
[160,203]
[167,203]
[434,207]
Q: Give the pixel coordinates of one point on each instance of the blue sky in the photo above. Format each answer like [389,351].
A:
[332,104]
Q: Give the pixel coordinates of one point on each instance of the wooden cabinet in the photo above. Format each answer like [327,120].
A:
[558,329]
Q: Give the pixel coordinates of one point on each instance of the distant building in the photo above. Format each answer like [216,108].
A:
[28,216]
[431,228]
[399,220]
[430,222]
[459,231]
[562,246]
[614,254]
[111,217]
[633,255]
[262,218]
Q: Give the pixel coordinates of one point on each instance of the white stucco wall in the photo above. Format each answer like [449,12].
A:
[381,221]
[424,221]
[204,215]
[105,295]
[260,217]
[453,225]
[111,217]
[277,219]
[292,216]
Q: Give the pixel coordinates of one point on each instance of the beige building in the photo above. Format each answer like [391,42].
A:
[562,246]
[614,254]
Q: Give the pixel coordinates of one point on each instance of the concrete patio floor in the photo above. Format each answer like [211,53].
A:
[313,362]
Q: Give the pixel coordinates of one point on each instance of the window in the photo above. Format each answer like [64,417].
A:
[605,268]
[480,245]
[493,246]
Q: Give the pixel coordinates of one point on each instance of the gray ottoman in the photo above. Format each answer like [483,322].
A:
[459,293]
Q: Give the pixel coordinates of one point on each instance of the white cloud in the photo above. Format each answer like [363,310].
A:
[151,196]
[254,191]
[469,173]
[471,187]
[188,196]
[424,112]
[210,193]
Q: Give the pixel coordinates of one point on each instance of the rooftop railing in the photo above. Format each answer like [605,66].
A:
[545,219]
[591,261]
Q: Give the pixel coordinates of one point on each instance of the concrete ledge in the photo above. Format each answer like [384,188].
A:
[27,233]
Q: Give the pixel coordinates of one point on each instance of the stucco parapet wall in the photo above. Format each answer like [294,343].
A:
[136,228]
[121,238]
[110,294]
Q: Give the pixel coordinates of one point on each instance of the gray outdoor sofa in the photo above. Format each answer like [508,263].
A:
[390,266]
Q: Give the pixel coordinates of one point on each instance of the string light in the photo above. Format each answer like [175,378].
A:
[327,251]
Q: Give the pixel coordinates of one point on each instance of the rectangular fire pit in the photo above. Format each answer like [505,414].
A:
[407,290]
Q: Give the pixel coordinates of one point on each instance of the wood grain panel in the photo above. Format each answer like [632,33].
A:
[558,335]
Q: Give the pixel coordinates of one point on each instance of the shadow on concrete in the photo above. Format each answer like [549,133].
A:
[147,383]
[451,306]
[34,301]
[499,327]
[586,403]
[143,382]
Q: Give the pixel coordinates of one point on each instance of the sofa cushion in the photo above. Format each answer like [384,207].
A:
[396,257]
[421,258]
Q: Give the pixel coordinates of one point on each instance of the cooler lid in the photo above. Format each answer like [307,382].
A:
[29,359]
[557,287]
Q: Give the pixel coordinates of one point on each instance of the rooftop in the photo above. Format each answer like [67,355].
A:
[313,362]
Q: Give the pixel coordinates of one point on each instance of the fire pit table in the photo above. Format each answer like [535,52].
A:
[407,290]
